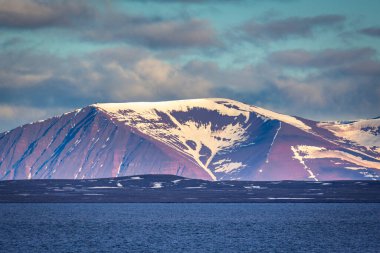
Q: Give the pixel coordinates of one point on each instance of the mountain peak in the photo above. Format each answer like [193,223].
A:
[223,106]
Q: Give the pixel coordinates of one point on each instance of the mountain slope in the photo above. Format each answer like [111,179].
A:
[211,139]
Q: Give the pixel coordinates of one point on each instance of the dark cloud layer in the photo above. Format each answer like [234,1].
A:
[154,32]
[289,27]
[108,25]
[371,31]
[210,1]
[36,14]
[185,1]
[322,59]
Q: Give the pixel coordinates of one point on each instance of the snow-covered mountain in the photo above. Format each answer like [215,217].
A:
[214,139]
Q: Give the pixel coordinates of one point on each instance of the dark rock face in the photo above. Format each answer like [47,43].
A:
[212,139]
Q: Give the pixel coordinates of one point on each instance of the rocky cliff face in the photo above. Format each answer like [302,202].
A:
[211,139]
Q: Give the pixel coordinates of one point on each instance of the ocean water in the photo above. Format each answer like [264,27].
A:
[189,228]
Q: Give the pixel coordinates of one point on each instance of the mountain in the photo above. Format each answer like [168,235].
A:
[212,139]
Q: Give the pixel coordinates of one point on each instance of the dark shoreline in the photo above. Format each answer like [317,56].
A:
[173,189]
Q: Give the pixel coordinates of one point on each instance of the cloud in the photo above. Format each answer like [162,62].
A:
[320,59]
[188,1]
[109,75]
[289,27]
[154,32]
[258,84]
[108,24]
[209,1]
[36,14]
[347,88]
[371,31]
[146,78]
[12,116]
[182,1]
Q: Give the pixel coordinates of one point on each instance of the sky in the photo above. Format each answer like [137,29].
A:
[314,59]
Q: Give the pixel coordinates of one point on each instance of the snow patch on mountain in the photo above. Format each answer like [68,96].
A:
[363,132]
[228,167]
[267,114]
[299,155]
[281,117]
[157,185]
[302,152]
[148,109]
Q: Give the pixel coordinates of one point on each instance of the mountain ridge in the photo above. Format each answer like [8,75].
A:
[213,139]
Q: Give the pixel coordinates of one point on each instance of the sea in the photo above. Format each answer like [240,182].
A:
[189,227]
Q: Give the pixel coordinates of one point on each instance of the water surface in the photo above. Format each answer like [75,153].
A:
[190,227]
